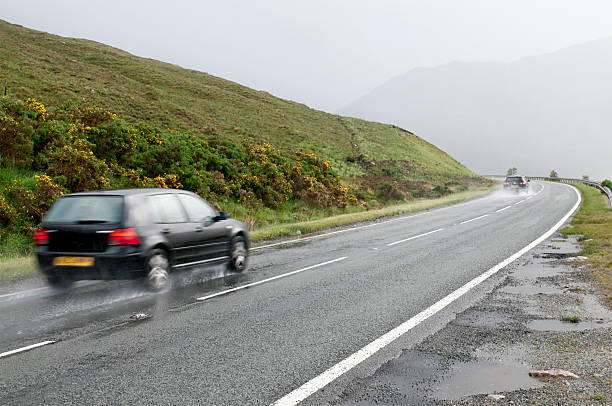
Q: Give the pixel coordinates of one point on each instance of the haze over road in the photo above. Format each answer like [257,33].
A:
[256,345]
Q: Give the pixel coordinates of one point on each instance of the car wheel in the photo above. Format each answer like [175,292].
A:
[158,268]
[239,254]
[59,282]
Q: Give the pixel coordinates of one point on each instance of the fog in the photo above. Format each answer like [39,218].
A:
[536,114]
[326,54]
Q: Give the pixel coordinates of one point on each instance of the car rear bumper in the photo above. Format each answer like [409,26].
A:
[105,266]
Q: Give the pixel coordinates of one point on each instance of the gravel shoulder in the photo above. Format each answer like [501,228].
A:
[547,314]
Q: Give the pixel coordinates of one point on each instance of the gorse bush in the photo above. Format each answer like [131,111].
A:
[73,149]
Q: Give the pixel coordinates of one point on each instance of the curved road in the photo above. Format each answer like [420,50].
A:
[312,304]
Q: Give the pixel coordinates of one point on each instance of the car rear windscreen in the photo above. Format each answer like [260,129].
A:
[86,210]
[514,180]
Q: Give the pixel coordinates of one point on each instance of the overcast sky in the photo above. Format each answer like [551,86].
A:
[324,53]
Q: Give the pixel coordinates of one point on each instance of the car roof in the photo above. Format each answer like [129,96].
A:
[127,192]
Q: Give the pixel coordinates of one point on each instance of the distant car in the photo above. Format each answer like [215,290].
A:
[516,184]
[135,233]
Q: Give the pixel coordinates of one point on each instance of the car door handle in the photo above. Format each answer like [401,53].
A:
[165,230]
[198,229]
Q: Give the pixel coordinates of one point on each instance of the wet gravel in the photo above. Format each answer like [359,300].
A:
[491,347]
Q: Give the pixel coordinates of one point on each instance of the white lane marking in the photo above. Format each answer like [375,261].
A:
[505,208]
[22,292]
[414,237]
[529,197]
[23,349]
[225,292]
[474,219]
[315,384]
[312,237]
[428,211]
[26,292]
[519,202]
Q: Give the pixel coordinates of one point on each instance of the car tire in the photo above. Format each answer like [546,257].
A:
[59,282]
[158,270]
[239,254]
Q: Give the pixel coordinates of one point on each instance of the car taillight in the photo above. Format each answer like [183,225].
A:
[41,237]
[522,183]
[123,236]
[506,183]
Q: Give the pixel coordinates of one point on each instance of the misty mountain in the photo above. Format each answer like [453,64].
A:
[551,111]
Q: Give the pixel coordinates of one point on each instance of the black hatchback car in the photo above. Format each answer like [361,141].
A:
[135,233]
[516,184]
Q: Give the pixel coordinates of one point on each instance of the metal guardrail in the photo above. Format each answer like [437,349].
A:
[603,189]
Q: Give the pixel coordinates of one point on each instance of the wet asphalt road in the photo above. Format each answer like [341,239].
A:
[255,345]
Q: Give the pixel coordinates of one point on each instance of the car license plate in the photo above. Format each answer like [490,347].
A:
[73,261]
[514,185]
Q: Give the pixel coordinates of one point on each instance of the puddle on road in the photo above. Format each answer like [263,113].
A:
[423,378]
[558,325]
[535,271]
[484,376]
[540,289]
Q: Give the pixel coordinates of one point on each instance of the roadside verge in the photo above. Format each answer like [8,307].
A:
[20,268]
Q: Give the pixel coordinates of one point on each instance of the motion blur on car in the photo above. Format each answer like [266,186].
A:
[135,233]
[516,184]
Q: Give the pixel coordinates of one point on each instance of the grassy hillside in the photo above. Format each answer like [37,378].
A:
[80,115]
[56,70]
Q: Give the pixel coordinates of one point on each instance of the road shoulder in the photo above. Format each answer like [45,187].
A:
[546,315]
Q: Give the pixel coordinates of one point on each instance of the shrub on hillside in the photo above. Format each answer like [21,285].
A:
[81,148]
[77,166]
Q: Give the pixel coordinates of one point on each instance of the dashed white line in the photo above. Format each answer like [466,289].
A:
[225,292]
[312,237]
[474,219]
[298,395]
[502,209]
[414,237]
[23,349]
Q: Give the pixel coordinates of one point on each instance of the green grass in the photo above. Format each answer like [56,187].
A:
[17,267]
[594,222]
[570,319]
[58,70]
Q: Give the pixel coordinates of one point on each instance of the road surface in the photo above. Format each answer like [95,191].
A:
[300,310]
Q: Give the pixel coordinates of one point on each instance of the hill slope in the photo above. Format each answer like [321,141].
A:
[56,70]
[539,113]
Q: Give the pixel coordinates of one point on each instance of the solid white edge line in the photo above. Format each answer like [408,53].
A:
[474,219]
[248,285]
[519,202]
[28,348]
[414,237]
[505,208]
[315,384]
[22,292]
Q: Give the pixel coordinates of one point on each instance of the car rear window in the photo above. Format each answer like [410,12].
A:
[514,180]
[86,210]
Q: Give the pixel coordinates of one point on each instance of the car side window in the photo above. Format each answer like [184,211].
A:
[197,209]
[166,209]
